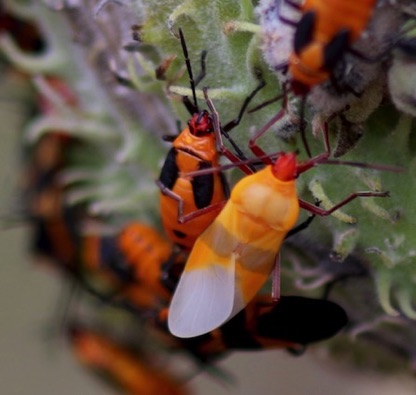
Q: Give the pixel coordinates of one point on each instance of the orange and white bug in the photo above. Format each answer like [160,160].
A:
[233,258]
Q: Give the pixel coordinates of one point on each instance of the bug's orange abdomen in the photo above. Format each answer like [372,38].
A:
[334,15]
[307,67]
[145,251]
[133,260]
[326,30]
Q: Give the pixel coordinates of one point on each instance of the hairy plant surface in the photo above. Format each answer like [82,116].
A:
[129,90]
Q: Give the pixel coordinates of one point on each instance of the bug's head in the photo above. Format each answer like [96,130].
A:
[201,124]
[285,167]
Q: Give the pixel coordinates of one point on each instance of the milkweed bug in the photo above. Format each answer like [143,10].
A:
[55,224]
[54,237]
[188,206]
[325,32]
[139,262]
[293,323]
[235,255]
[322,37]
[301,320]
[131,372]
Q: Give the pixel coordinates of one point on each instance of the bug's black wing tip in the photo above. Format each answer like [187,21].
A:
[302,320]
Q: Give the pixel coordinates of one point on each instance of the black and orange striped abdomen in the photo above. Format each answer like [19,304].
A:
[325,31]
[145,251]
[190,153]
[132,261]
[335,15]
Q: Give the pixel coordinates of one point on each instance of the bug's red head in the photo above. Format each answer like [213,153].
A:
[200,124]
[285,167]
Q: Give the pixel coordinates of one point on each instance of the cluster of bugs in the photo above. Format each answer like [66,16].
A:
[200,284]
[233,258]
[137,271]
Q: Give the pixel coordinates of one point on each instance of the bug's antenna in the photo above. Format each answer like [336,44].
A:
[188,66]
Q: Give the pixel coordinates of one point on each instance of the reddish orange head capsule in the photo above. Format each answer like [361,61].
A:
[200,124]
[284,169]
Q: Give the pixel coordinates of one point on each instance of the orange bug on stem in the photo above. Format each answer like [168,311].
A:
[55,224]
[188,206]
[130,372]
[235,255]
[325,32]
[134,262]
[291,324]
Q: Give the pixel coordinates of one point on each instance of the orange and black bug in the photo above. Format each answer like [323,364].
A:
[55,233]
[188,206]
[138,262]
[127,369]
[325,32]
[292,324]
[55,224]
[323,36]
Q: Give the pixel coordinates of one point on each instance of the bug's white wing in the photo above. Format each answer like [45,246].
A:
[203,300]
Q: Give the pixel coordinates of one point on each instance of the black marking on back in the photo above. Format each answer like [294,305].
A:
[225,186]
[236,335]
[304,32]
[334,50]
[113,260]
[179,234]
[302,320]
[170,170]
[203,187]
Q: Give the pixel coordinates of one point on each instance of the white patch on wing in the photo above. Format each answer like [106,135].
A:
[202,301]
